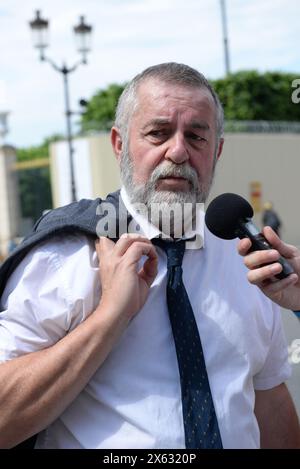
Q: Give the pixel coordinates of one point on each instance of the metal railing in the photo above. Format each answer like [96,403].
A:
[235,126]
[262,126]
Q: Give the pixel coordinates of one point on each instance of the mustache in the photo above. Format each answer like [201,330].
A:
[168,169]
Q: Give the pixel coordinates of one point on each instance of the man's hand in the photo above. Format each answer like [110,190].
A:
[125,287]
[284,292]
[31,391]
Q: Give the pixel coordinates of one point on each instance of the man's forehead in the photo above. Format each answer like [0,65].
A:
[165,121]
[159,100]
[152,86]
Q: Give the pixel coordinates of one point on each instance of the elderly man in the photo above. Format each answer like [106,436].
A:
[172,348]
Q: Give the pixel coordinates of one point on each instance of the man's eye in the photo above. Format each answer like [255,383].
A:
[157,133]
[196,137]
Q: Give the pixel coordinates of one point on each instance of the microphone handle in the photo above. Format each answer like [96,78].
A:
[259,243]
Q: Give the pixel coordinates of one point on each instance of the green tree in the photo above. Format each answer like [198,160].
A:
[250,95]
[100,110]
[246,95]
[38,151]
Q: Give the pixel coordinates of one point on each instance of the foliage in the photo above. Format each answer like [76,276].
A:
[250,95]
[100,110]
[38,151]
[246,95]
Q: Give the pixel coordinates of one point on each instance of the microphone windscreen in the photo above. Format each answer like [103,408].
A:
[224,212]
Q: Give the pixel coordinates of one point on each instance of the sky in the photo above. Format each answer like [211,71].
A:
[128,36]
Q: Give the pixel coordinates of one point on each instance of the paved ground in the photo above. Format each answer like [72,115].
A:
[292,330]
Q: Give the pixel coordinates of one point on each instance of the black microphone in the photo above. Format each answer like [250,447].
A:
[228,216]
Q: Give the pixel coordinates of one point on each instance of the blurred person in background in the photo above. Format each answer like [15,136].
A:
[270,217]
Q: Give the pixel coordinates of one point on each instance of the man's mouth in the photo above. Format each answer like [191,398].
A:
[170,182]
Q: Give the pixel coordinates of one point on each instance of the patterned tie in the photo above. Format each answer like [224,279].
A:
[200,422]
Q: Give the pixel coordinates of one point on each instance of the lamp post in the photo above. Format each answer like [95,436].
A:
[3,126]
[225,36]
[40,27]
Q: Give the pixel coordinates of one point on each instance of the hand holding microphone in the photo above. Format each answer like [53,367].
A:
[229,216]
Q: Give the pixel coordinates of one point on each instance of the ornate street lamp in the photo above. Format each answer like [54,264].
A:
[40,28]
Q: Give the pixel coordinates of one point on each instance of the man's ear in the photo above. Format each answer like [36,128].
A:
[220,148]
[116,142]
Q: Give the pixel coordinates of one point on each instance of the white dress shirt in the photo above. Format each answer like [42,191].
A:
[133,400]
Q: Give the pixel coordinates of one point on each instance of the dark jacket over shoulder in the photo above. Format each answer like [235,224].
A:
[78,217]
[82,216]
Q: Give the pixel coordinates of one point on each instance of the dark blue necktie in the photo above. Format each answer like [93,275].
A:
[200,421]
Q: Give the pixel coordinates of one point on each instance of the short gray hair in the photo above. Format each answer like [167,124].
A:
[172,73]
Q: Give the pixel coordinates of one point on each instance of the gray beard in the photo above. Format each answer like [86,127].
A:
[147,192]
[148,195]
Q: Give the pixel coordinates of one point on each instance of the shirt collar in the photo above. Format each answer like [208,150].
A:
[195,236]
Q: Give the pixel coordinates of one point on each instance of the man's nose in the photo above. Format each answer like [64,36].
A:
[177,151]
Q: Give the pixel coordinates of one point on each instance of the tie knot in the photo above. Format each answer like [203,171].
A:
[173,249]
